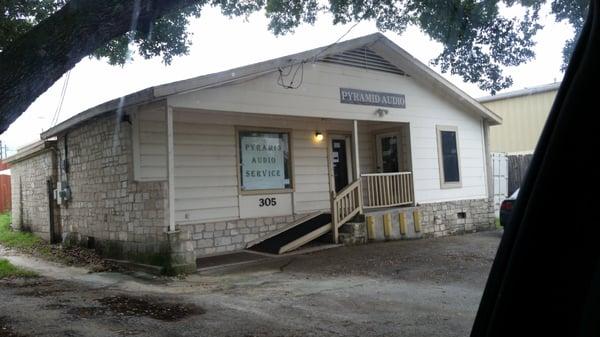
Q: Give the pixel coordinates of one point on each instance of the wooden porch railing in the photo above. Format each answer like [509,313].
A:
[388,189]
[345,205]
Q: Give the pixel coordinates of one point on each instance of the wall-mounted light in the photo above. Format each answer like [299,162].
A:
[381,112]
[318,137]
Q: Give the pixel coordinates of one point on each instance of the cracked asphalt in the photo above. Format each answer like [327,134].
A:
[426,287]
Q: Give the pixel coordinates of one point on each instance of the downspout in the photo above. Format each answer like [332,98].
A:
[488,164]
[54,210]
[170,167]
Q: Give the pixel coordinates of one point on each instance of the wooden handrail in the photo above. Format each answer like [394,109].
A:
[345,205]
[388,189]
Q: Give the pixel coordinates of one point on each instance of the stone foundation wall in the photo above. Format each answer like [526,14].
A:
[30,204]
[430,220]
[353,233]
[394,224]
[224,236]
[125,218]
[439,219]
[455,217]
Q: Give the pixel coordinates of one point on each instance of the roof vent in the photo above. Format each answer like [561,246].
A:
[363,58]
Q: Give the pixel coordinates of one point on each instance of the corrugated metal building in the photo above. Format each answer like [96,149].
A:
[524,114]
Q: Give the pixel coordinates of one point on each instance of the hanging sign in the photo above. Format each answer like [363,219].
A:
[364,97]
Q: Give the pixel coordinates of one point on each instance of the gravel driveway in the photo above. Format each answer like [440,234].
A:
[404,288]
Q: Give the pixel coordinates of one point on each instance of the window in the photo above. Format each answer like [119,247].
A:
[389,153]
[447,138]
[264,160]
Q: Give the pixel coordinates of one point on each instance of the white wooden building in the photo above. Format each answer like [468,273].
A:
[230,158]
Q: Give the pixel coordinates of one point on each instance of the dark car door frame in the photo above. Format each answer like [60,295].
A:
[545,279]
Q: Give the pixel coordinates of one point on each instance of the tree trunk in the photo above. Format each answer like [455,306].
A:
[30,65]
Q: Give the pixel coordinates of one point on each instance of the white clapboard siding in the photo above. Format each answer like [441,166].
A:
[203,153]
[206,167]
[205,146]
[310,171]
[151,139]
[319,97]
[204,182]
[365,151]
[191,192]
[191,204]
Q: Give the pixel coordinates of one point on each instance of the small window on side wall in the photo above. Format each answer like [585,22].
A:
[448,155]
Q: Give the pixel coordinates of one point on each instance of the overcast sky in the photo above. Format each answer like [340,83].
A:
[220,43]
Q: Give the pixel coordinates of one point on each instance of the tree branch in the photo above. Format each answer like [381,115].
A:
[30,65]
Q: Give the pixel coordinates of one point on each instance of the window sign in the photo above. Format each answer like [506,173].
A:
[264,160]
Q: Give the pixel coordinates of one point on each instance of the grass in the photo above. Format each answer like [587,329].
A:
[29,244]
[17,239]
[7,269]
[21,241]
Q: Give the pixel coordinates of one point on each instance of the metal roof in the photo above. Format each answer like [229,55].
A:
[521,92]
[31,150]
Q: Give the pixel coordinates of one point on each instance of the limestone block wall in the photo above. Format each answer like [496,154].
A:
[386,224]
[224,236]
[126,218]
[454,217]
[436,219]
[30,204]
[431,220]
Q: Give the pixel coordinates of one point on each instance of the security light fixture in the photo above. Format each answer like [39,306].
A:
[381,112]
[318,137]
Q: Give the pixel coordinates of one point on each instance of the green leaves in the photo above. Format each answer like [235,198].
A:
[238,7]
[166,36]
[478,42]
[286,15]
[19,16]
[574,12]
[393,15]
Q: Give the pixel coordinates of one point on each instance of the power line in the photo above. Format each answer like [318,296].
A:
[291,84]
[300,65]
[336,41]
[61,99]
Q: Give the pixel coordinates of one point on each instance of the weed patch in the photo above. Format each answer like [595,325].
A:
[8,270]
[28,243]
[16,239]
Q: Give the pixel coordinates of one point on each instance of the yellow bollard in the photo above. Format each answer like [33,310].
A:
[371,227]
[402,223]
[387,225]
[417,221]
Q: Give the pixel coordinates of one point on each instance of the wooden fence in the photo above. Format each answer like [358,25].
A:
[5,192]
[517,168]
